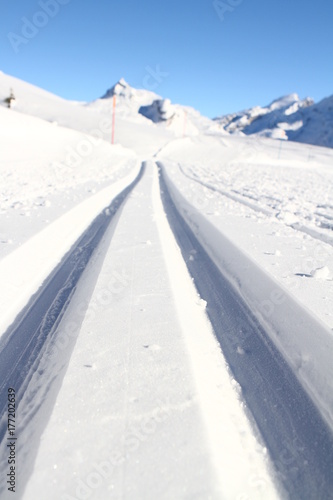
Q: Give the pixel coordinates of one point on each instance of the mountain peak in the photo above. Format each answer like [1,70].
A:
[121,88]
[284,101]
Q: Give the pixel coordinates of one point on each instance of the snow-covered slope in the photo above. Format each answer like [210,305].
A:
[188,353]
[45,170]
[286,118]
[317,124]
[95,118]
[182,120]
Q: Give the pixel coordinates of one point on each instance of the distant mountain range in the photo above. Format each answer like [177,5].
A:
[288,118]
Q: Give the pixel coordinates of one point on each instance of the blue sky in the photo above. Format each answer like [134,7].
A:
[217,57]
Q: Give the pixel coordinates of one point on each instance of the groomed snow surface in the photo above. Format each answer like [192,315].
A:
[193,356]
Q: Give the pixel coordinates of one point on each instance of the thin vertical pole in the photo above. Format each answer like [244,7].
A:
[280,148]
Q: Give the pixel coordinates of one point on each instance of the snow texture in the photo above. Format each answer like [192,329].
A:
[131,395]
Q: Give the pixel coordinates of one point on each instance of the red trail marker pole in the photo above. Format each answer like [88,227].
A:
[113,118]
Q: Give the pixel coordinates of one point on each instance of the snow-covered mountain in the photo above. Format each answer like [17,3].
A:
[180,120]
[129,99]
[289,118]
[258,119]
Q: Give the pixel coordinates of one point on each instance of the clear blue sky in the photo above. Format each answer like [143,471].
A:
[255,52]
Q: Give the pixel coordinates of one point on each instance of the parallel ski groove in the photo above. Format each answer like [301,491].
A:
[299,442]
[22,345]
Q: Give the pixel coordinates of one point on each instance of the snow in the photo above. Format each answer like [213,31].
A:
[285,202]
[43,255]
[159,111]
[121,89]
[41,183]
[94,119]
[148,344]
[321,273]
[303,120]
[133,396]
[290,327]
[284,102]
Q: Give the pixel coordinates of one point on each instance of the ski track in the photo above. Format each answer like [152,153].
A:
[239,198]
[300,444]
[23,344]
[299,441]
[137,361]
